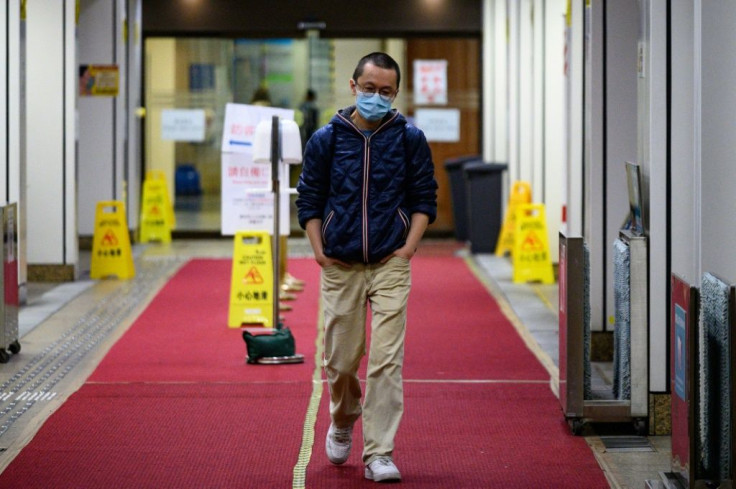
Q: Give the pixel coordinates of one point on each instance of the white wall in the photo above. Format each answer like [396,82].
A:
[488,126]
[99,158]
[17,132]
[684,172]
[511,105]
[575,121]
[527,168]
[537,25]
[622,21]
[500,149]
[4,122]
[553,118]
[595,165]
[652,153]
[109,156]
[524,99]
[718,134]
[11,121]
[132,179]
[51,92]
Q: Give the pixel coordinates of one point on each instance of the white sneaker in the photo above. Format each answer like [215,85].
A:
[338,443]
[382,469]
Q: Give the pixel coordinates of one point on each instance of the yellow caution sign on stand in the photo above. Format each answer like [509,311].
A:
[251,286]
[155,219]
[531,259]
[521,193]
[111,253]
[160,175]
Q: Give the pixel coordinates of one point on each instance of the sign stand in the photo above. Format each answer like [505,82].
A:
[275,188]
[274,333]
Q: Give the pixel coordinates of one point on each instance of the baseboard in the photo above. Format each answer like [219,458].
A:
[50,273]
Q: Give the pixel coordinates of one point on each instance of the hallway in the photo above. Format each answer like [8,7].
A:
[76,325]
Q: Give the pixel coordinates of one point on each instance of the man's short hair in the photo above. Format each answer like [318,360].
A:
[381,60]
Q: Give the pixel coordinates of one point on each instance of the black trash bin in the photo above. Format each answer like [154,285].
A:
[484,188]
[454,168]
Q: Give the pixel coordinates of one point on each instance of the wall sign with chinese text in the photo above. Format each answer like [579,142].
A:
[98,80]
[430,82]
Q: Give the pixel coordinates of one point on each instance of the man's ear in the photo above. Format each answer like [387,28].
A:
[353,87]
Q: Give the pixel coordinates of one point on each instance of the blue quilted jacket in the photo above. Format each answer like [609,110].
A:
[365,188]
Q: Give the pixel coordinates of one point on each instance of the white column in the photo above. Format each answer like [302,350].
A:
[132,183]
[595,164]
[717,131]
[684,170]
[525,97]
[575,123]
[488,86]
[537,25]
[102,119]
[622,28]
[553,143]
[51,99]
[500,79]
[652,127]
[16,167]
[512,100]
[4,69]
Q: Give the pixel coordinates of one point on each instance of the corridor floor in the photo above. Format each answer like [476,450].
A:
[67,357]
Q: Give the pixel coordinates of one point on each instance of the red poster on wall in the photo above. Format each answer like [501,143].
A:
[682,345]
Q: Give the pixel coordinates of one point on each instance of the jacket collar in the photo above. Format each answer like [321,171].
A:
[343,118]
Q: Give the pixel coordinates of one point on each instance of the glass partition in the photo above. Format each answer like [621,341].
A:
[188,82]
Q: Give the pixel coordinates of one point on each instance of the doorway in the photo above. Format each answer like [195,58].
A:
[190,80]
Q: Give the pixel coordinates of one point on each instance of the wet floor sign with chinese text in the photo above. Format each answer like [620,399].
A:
[111,252]
[155,214]
[251,286]
[160,175]
[521,193]
[531,258]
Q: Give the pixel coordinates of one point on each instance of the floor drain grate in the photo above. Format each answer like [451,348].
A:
[627,444]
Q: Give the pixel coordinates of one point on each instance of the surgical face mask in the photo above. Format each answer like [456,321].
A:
[371,106]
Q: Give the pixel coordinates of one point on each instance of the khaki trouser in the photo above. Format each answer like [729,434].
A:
[345,296]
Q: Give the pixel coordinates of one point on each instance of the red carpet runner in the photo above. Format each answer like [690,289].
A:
[173,405]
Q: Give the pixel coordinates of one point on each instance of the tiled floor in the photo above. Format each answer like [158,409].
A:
[48,320]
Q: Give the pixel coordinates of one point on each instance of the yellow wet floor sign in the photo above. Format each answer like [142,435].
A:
[155,219]
[521,193]
[251,285]
[160,175]
[111,252]
[531,258]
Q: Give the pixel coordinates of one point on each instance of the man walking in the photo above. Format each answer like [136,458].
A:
[366,196]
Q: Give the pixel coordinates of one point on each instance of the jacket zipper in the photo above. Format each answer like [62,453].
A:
[366,172]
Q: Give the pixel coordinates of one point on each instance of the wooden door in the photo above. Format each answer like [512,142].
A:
[463,93]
